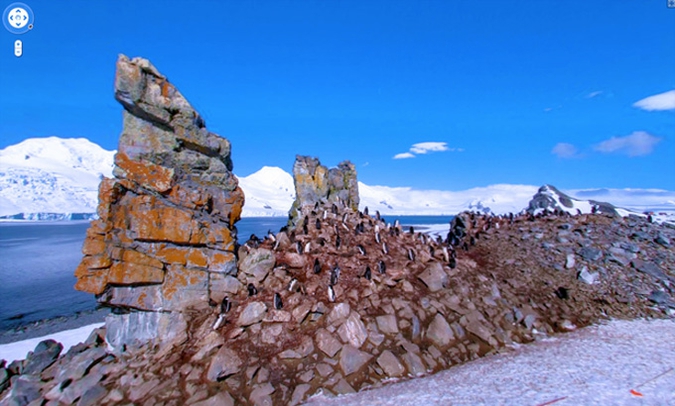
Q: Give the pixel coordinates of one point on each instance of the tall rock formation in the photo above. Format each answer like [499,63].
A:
[165,239]
[314,183]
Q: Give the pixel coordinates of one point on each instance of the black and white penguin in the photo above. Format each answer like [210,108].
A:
[365,211]
[334,275]
[362,250]
[317,266]
[331,294]
[452,263]
[317,224]
[225,305]
[278,304]
[298,247]
[381,267]
[252,291]
[338,241]
[411,254]
[368,275]
[385,249]
[292,285]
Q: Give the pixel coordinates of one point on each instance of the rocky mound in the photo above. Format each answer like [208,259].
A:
[165,239]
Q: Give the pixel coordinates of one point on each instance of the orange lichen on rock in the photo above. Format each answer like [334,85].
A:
[147,174]
[166,219]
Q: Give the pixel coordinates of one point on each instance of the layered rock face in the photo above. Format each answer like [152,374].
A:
[314,183]
[165,239]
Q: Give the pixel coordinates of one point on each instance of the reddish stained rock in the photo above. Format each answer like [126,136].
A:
[167,217]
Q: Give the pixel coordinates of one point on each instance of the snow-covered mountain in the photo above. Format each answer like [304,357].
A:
[55,175]
[52,175]
[269,192]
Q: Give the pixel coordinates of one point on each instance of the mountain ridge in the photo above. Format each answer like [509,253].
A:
[42,177]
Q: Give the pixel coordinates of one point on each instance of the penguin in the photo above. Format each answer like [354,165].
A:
[452,263]
[367,274]
[377,215]
[344,218]
[385,249]
[334,209]
[317,224]
[271,236]
[305,231]
[325,214]
[446,256]
[292,285]
[317,266]
[362,250]
[308,247]
[381,267]
[472,241]
[411,230]
[365,211]
[225,306]
[377,228]
[338,241]
[252,291]
[396,223]
[278,304]
[254,241]
[377,238]
[411,254]
[316,205]
[331,294]
[334,275]
[298,247]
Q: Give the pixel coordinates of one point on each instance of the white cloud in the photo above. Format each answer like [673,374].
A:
[639,143]
[661,101]
[594,94]
[564,150]
[424,147]
[404,155]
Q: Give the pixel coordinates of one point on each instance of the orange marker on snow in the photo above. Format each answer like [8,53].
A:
[636,393]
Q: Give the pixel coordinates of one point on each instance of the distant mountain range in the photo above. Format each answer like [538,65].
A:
[56,178]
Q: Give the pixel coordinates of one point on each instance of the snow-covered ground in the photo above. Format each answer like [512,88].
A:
[618,363]
[18,350]
[598,365]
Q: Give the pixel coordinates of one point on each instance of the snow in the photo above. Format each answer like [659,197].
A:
[595,365]
[52,175]
[19,349]
[268,192]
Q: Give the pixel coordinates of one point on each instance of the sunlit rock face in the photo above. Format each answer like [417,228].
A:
[166,236]
[315,183]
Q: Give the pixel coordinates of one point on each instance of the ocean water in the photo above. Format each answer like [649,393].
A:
[38,259]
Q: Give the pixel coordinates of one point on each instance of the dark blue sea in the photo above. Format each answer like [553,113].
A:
[38,259]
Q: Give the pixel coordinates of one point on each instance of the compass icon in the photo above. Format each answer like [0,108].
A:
[18,18]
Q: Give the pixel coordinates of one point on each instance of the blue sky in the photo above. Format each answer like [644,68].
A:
[527,92]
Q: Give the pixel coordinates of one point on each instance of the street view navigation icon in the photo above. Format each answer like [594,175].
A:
[18,18]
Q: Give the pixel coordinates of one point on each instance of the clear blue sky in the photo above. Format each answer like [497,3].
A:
[527,92]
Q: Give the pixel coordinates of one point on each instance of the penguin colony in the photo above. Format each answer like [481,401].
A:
[340,248]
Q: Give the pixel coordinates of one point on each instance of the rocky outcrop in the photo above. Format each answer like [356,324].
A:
[314,183]
[550,199]
[165,238]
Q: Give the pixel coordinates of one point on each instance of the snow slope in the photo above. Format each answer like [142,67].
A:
[52,175]
[269,192]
